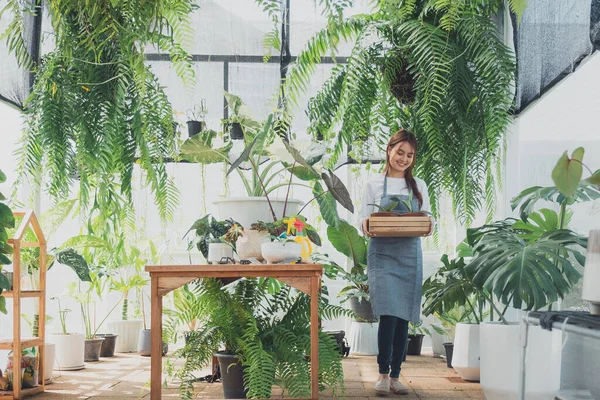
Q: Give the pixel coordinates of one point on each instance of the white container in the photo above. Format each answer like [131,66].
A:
[500,347]
[248,210]
[216,251]
[70,351]
[591,275]
[363,338]
[49,357]
[128,332]
[275,252]
[465,358]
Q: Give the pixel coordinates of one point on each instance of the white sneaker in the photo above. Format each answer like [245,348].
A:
[382,386]
[397,388]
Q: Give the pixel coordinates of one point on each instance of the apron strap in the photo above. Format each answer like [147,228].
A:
[384,185]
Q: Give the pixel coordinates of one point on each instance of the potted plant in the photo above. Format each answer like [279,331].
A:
[7,221]
[127,330]
[214,238]
[188,311]
[529,263]
[262,334]
[291,239]
[387,223]
[197,118]
[416,333]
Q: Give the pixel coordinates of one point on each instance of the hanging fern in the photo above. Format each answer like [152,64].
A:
[96,109]
[437,67]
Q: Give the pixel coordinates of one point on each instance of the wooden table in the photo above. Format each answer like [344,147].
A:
[165,278]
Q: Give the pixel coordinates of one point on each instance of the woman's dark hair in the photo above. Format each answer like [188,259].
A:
[404,135]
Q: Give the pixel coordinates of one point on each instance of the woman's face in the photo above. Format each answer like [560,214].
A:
[401,157]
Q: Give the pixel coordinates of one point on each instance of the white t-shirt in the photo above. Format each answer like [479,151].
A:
[395,186]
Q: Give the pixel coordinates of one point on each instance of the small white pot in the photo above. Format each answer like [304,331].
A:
[465,358]
[591,275]
[70,351]
[216,251]
[127,331]
[275,252]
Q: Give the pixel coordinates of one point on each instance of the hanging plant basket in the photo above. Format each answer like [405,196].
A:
[391,224]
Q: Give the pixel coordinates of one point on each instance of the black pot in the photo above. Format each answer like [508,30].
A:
[342,343]
[145,344]
[236,132]
[195,127]
[232,376]
[108,345]
[92,349]
[362,309]
[449,351]
[415,345]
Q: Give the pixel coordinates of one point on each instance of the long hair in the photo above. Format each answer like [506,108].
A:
[404,135]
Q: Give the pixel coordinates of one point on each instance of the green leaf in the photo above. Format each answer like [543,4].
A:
[299,159]
[7,220]
[327,206]
[2,177]
[338,190]
[349,242]
[595,178]
[568,171]
[199,148]
[5,283]
[76,261]
[5,260]
[3,305]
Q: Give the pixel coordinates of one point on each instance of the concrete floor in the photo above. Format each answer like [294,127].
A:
[127,376]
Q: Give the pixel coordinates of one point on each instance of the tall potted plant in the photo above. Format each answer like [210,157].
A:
[529,264]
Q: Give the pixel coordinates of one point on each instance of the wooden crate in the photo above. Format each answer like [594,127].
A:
[389,224]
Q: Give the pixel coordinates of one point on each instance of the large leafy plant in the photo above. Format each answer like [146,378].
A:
[532,262]
[7,221]
[269,333]
[437,67]
[96,109]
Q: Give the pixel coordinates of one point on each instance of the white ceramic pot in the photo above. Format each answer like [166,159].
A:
[248,245]
[248,210]
[275,252]
[216,251]
[500,347]
[363,338]
[70,350]
[591,275]
[49,357]
[465,358]
[128,332]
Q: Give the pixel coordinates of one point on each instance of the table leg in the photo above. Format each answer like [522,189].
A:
[314,336]
[156,342]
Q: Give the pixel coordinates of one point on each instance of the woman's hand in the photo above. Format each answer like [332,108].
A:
[430,227]
[365,228]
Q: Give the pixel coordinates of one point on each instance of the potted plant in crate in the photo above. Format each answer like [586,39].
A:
[528,264]
[262,334]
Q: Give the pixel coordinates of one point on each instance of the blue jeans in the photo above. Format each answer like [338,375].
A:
[391,339]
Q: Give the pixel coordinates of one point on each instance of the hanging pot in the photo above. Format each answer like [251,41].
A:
[236,132]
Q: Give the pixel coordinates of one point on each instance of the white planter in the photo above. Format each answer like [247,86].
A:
[500,347]
[591,275]
[465,359]
[49,357]
[127,331]
[216,251]
[275,252]
[363,338]
[70,350]
[248,210]
[437,343]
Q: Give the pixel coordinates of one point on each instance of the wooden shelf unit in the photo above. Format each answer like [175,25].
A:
[18,343]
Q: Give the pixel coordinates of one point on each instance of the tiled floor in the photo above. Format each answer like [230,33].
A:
[127,376]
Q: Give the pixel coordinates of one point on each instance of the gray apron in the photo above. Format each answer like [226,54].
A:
[395,269]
